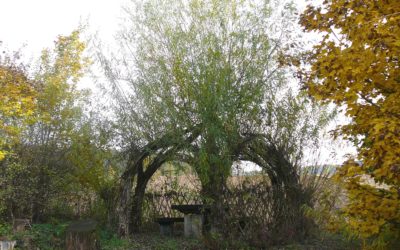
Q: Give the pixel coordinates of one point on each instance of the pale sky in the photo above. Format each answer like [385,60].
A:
[37,23]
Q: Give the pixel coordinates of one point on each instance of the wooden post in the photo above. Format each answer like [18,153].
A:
[7,245]
[193,225]
[82,235]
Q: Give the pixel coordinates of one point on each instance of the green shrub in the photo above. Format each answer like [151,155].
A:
[5,230]
[43,236]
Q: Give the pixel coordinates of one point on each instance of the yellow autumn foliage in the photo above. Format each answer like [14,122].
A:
[17,102]
[61,68]
[356,66]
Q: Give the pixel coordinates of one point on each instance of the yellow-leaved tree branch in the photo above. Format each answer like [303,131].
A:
[361,72]
[17,100]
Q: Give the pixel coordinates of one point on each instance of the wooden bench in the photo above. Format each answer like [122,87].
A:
[167,225]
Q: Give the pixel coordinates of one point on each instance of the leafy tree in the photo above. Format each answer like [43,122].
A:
[193,66]
[193,79]
[18,96]
[59,113]
[356,65]
[61,153]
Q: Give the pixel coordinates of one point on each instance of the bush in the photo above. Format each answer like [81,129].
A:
[5,230]
[42,236]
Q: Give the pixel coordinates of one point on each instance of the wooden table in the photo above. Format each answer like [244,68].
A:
[193,219]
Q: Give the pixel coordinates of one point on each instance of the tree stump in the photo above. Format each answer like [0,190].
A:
[20,225]
[82,235]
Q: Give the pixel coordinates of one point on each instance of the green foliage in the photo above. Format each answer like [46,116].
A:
[42,236]
[61,153]
[294,123]
[14,195]
[5,230]
[48,236]
[39,157]
[211,64]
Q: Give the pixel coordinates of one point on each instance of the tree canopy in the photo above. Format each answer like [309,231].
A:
[195,79]
[206,63]
[56,149]
[356,65]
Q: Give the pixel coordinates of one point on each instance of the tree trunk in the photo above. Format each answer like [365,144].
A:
[130,206]
[37,212]
[137,206]
[124,206]
[213,191]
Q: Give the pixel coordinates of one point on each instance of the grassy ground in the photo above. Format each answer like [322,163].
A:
[52,236]
[324,242]
[152,241]
[157,242]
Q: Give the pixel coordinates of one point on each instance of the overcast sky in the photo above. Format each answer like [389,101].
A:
[37,23]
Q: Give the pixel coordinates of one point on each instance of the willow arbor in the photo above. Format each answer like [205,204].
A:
[194,82]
